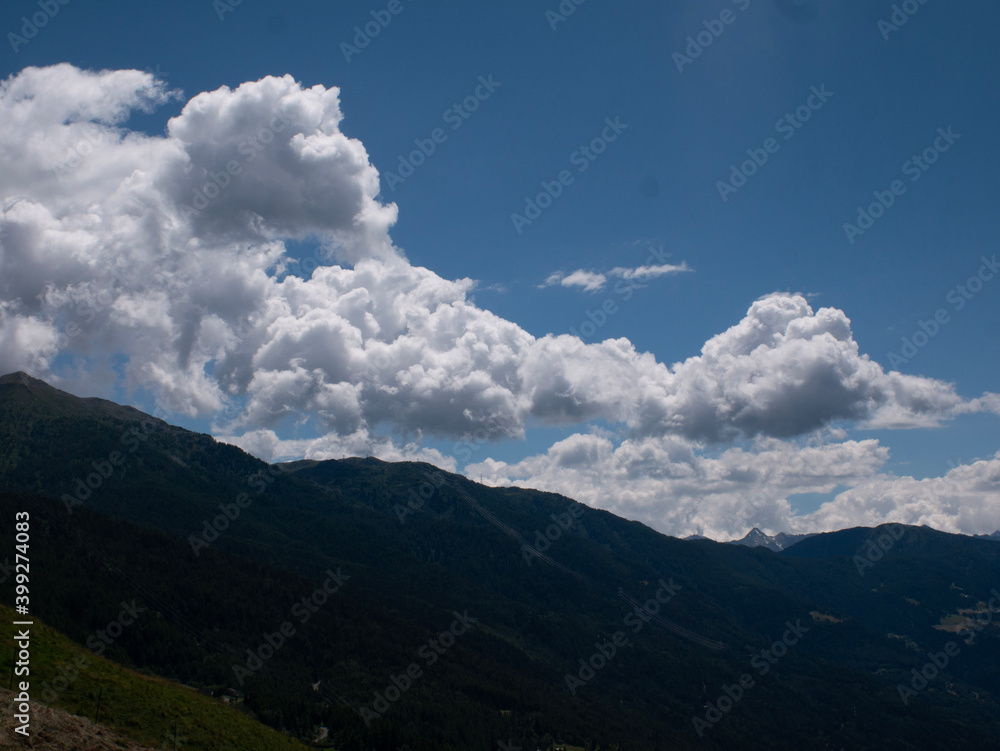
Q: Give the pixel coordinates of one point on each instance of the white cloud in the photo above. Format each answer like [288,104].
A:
[965,500]
[296,174]
[26,342]
[678,487]
[649,271]
[267,445]
[595,281]
[588,281]
[107,255]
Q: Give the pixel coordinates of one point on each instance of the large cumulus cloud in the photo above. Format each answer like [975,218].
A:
[268,159]
[166,255]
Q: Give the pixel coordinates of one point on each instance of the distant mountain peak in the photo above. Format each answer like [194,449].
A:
[994,536]
[755,538]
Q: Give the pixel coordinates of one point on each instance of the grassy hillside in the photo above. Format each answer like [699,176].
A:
[145,709]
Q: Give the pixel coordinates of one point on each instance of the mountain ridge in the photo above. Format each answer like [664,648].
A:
[755,538]
[544,576]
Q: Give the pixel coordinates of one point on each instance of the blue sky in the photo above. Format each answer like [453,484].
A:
[656,186]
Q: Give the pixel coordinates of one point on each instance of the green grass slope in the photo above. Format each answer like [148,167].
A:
[143,708]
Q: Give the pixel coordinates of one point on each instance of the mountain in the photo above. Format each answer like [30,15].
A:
[399,606]
[757,539]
